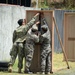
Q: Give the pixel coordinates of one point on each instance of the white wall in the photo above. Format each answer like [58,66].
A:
[9,16]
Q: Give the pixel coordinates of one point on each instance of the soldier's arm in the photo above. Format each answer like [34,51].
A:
[34,29]
[43,18]
[14,36]
[44,21]
[30,23]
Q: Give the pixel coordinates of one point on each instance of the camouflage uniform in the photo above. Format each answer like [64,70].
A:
[20,37]
[32,38]
[17,48]
[45,40]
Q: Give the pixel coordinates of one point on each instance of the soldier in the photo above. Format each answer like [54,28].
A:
[45,40]
[18,43]
[16,46]
[32,38]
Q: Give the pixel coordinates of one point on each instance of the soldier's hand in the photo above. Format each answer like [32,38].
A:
[37,14]
[42,15]
[39,33]
[37,22]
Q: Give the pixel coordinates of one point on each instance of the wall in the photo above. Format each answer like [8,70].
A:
[9,16]
[59,16]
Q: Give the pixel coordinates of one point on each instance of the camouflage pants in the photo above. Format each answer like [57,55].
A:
[20,55]
[13,53]
[45,58]
[29,48]
[17,49]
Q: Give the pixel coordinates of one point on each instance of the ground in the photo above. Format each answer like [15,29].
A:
[59,67]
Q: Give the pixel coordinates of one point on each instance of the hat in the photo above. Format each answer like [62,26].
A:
[34,28]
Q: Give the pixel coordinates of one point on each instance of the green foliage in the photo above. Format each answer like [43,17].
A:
[43,4]
[70,4]
[66,4]
[56,5]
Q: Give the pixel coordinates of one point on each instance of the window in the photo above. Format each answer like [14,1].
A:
[26,3]
[2,1]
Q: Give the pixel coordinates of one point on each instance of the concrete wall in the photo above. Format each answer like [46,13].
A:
[9,16]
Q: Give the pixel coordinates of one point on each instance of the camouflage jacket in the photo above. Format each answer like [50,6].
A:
[45,36]
[19,34]
[32,34]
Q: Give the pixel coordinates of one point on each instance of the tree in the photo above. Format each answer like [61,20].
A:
[45,2]
[70,3]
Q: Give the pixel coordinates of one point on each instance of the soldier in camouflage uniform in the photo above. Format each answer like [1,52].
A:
[45,41]
[17,48]
[18,43]
[32,38]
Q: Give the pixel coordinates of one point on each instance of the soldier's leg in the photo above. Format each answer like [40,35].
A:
[48,63]
[43,58]
[13,54]
[44,53]
[20,57]
[29,47]
[43,62]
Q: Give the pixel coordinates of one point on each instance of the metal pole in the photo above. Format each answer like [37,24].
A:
[61,43]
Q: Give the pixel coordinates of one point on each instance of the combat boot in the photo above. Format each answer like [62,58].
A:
[48,73]
[10,68]
[43,73]
[27,71]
